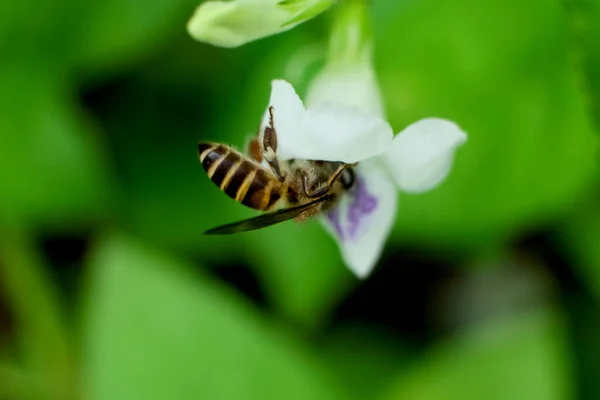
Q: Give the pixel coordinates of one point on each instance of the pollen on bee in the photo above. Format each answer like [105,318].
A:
[253,149]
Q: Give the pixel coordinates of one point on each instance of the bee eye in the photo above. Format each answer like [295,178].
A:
[347,178]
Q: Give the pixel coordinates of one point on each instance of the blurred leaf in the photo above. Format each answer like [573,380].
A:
[519,358]
[95,36]
[502,71]
[51,166]
[45,31]
[303,270]
[584,18]
[114,32]
[13,384]
[155,332]
[43,340]
[382,354]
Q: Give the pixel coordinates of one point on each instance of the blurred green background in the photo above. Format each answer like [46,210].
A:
[489,286]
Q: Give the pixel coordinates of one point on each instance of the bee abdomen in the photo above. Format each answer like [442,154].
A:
[263,192]
[241,179]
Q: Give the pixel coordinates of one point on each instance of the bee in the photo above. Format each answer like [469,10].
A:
[260,180]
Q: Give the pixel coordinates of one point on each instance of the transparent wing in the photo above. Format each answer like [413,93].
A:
[262,221]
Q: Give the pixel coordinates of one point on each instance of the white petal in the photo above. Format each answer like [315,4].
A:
[288,110]
[330,132]
[337,132]
[352,85]
[233,23]
[363,218]
[421,156]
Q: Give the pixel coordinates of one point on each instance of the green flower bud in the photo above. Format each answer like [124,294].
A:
[236,22]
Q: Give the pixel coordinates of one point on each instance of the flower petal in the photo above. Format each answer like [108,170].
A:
[288,110]
[328,131]
[338,132]
[421,156]
[233,23]
[352,85]
[363,218]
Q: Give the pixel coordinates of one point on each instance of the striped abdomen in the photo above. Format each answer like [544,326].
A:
[241,179]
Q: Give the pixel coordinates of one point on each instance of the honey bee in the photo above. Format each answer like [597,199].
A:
[307,187]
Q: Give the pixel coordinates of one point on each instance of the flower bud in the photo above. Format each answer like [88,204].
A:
[234,23]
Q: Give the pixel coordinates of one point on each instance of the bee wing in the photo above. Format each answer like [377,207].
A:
[262,221]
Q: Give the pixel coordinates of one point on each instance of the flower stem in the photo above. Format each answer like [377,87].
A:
[351,38]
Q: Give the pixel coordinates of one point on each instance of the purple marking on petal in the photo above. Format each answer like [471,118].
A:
[363,204]
[333,216]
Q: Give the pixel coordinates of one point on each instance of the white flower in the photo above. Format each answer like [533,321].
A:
[338,125]
[355,84]
[236,22]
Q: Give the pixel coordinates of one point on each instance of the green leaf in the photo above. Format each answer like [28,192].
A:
[113,33]
[155,331]
[303,271]
[52,168]
[502,71]
[43,339]
[518,358]
[584,18]
[97,37]
[14,384]
[382,354]
[45,31]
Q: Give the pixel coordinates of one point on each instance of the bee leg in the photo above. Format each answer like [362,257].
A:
[338,173]
[255,147]
[326,188]
[269,147]
[271,158]
[270,135]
